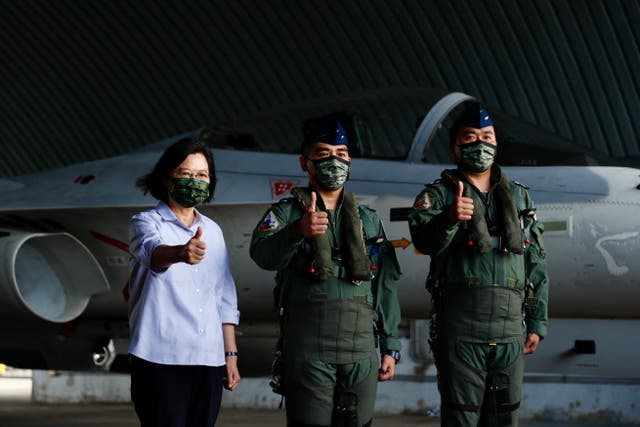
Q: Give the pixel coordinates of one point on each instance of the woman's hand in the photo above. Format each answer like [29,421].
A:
[233,375]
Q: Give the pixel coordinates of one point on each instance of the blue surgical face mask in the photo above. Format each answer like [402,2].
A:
[477,156]
[331,172]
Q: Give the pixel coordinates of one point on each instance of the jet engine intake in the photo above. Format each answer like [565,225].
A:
[50,275]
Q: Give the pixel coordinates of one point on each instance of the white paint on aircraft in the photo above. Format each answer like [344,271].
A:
[612,266]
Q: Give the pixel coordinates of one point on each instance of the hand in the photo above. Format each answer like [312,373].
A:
[462,207]
[387,368]
[313,223]
[531,344]
[195,248]
[233,375]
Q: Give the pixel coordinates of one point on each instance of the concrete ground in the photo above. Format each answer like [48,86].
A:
[25,414]
[17,410]
[22,414]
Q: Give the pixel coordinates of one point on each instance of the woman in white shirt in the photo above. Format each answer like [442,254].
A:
[183,305]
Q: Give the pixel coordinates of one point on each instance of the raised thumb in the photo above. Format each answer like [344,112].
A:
[198,233]
[312,204]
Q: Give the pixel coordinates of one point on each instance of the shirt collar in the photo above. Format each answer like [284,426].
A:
[167,214]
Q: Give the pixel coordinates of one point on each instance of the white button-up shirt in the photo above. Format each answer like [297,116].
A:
[176,314]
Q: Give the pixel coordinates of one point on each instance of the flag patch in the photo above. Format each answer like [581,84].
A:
[269,222]
[281,186]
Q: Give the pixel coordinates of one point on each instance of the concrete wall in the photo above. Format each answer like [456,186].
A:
[552,398]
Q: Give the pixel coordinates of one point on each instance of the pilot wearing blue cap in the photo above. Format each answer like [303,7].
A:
[336,279]
[325,154]
[487,268]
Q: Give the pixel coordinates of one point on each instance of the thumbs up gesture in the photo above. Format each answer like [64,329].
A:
[462,207]
[195,248]
[313,223]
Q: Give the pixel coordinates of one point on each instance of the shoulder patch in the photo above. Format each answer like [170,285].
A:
[270,222]
[520,184]
[423,201]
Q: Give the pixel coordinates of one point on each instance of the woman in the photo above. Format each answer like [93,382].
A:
[183,305]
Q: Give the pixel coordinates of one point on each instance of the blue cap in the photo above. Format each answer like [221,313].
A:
[327,129]
[475,116]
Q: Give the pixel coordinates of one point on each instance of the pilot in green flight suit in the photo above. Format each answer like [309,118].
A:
[336,288]
[487,275]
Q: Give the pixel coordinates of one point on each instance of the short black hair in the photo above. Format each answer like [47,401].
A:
[154,181]
[473,115]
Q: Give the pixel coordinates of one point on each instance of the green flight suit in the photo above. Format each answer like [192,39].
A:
[328,330]
[478,296]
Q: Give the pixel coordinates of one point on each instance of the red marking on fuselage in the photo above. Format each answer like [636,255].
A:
[110,240]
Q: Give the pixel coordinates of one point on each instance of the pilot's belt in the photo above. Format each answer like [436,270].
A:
[321,297]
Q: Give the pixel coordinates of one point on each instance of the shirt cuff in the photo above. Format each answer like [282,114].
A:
[389,343]
[536,327]
[231,316]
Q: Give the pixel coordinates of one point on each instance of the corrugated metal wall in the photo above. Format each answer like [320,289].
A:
[88,79]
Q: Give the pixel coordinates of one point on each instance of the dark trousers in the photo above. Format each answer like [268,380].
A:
[480,384]
[175,395]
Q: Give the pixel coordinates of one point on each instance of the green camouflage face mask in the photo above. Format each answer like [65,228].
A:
[189,192]
[477,156]
[331,172]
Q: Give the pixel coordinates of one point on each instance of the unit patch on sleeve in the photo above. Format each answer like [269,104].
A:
[269,222]
[423,201]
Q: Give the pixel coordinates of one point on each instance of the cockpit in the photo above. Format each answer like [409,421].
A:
[384,124]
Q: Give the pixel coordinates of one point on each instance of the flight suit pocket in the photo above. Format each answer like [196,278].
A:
[471,354]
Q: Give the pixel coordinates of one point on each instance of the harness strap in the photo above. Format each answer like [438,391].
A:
[356,258]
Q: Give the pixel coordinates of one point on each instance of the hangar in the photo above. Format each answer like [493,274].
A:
[83,80]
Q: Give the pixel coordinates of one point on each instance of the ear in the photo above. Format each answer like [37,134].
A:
[303,163]
[455,151]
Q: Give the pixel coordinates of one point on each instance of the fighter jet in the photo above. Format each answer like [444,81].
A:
[64,263]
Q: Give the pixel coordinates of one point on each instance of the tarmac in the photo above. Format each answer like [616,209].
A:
[26,414]
[18,410]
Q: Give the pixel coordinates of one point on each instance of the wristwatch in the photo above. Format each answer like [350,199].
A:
[395,354]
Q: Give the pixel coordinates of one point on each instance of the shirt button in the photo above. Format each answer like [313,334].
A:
[196,270]
[198,290]
[200,310]
[201,331]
